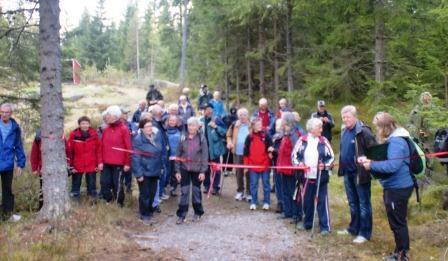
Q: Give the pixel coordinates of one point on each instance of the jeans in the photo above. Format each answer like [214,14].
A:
[358,196]
[111,181]
[76,184]
[147,189]
[190,179]
[7,196]
[254,177]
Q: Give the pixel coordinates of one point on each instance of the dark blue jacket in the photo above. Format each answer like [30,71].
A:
[396,168]
[173,139]
[12,149]
[151,163]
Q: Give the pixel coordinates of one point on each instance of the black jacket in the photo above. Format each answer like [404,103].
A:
[153,95]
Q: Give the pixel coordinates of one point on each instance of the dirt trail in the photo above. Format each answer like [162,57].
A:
[228,231]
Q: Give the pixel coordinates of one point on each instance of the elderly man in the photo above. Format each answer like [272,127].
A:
[11,152]
[236,135]
[356,138]
[137,114]
[115,160]
[204,96]
[327,119]
[266,115]
[185,110]
[218,105]
[282,107]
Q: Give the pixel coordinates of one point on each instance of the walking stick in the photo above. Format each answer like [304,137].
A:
[120,173]
[222,175]
[316,199]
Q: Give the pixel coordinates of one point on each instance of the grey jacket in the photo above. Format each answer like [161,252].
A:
[192,154]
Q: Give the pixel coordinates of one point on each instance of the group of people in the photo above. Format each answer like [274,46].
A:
[162,148]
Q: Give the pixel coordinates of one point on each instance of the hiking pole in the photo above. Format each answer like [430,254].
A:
[222,173]
[316,199]
[120,173]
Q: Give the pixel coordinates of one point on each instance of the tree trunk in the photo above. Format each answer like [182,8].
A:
[276,64]
[446,89]
[54,169]
[226,71]
[261,61]
[248,70]
[237,80]
[152,65]
[289,48]
[379,42]
[184,45]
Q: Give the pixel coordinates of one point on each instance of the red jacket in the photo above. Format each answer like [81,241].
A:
[84,153]
[116,135]
[284,155]
[36,157]
[256,151]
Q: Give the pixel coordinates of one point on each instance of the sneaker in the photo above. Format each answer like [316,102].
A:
[249,198]
[360,240]
[265,206]
[196,218]
[325,233]
[343,232]
[180,221]
[239,196]
[164,197]
[253,207]
[15,218]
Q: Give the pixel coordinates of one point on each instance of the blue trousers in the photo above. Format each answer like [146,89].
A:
[254,178]
[358,196]
[323,210]
[290,206]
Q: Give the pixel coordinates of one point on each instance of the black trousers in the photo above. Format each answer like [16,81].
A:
[111,181]
[187,179]
[396,203]
[7,196]
[147,189]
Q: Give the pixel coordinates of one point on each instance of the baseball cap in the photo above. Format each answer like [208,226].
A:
[321,103]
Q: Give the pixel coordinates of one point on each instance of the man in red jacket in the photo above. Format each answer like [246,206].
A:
[84,157]
[115,142]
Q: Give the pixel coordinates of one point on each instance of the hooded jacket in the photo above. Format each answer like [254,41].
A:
[11,150]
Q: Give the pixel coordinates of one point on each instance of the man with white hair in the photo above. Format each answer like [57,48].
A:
[141,108]
[115,160]
[282,107]
[356,138]
[11,153]
[185,111]
[266,115]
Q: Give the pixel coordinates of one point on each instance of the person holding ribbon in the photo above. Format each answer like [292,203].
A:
[314,151]
[147,164]
[191,165]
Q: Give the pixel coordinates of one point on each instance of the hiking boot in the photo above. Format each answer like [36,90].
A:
[360,240]
[196,218]
[239,196]
[180,221]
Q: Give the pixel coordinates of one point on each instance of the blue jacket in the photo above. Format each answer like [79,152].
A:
[173,139]
[150,165]
[396,168]
[12,149]
[215,138]
[218,108]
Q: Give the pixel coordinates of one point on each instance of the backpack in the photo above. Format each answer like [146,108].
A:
[441,143]
[418,159]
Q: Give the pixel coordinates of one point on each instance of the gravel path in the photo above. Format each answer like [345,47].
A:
[227,231]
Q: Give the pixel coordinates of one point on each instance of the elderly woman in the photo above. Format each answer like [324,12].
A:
[115,160]
[258,151]
[396,179]
[147,166]
[236,135]
[314,151]
[193,149]
[289,138]
[174,134]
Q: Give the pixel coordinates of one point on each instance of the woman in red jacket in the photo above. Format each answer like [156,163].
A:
[84,156]
[258,151]
[36,163]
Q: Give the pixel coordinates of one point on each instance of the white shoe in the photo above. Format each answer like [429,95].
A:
[343,232]
[249,198]
[265,206]
[253,207]
[15,218]
[360,240]
[239,196]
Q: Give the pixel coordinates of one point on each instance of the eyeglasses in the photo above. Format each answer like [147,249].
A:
[5,112]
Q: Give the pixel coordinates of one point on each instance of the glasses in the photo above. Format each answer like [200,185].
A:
[5,112]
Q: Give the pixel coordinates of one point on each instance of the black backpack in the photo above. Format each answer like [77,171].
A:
[441,142]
